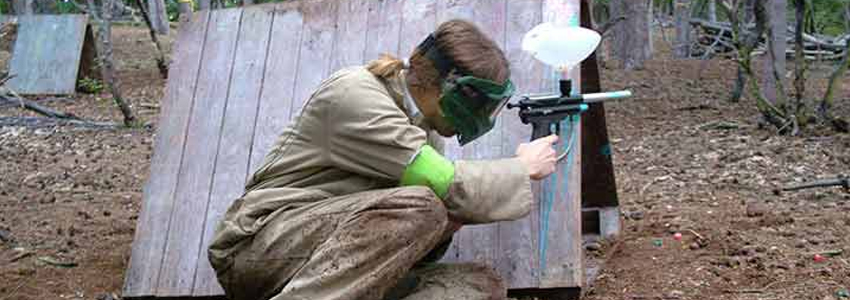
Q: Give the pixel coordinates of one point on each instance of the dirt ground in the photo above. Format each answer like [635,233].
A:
[687,161]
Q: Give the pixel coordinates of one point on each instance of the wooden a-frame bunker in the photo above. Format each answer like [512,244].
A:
[51,54]
[239,75]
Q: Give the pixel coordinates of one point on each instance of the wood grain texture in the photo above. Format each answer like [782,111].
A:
[158,196]
[234,146]
[350,44]
[561,256]
[316,49]
[197,169]
[480,243]
[457,251]
[46,55]
[518,240]
[279,80]
[384,29]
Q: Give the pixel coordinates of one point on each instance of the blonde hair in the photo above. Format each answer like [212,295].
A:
[386,66]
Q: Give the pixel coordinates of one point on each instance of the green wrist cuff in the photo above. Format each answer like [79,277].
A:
[430,169]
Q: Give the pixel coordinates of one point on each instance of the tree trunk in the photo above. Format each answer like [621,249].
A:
[683,29]
[799,59]
[157,17]
[632,37]
[203,4]
[835,79]
[712,11]
[44,6]
[22,7]
[161,62]
[184,7]
[776,46]
[104,50]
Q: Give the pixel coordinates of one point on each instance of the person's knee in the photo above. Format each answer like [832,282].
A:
[427,209]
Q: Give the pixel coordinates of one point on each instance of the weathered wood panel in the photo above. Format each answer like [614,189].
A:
[276,97]
[384,29]
[518,240]
[197,169]
[252,78]
[158,197]
[316,49]
[448,10]
[46,55]
[352,24]
[234,148]
[480,243]
[560,218]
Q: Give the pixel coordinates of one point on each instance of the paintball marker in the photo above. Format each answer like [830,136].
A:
[545,112]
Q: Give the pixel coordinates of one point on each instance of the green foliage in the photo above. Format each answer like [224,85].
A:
[90,86]
[828,16]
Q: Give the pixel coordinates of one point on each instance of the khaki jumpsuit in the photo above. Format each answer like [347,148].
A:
[324,218]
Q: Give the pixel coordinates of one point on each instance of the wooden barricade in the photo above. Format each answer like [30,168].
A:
[239,75]
[51,53]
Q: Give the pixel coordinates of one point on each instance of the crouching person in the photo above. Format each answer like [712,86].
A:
[356,201]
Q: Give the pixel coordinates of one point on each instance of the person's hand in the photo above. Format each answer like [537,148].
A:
[538,156]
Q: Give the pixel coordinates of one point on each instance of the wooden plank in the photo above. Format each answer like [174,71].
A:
[419,19]
[458,250]
[197,169]
[480,243]
[316,49]
[560,221]
[157,199]
[518,240]
[384,29]
[350,43]
[234,148]
[46,55]
[276,96]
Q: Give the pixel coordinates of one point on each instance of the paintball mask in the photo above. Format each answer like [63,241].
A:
[469,104]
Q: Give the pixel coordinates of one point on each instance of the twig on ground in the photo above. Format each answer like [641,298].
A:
[12,97]
[834,252]
[696,234]
[656,179]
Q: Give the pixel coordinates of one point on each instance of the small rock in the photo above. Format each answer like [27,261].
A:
[6,236]
[756,209]
[593,246]
[694,246]
[635,215]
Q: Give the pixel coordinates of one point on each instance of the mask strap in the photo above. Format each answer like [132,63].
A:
[428,47]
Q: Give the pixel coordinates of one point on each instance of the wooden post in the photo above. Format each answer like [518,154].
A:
[598,187]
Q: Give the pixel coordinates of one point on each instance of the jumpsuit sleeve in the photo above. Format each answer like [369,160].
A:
[370,135]
[489,191]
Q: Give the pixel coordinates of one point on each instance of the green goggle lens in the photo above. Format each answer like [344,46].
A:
[472,104]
